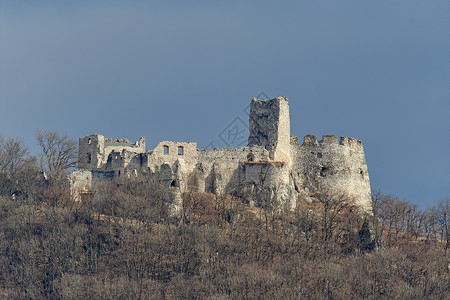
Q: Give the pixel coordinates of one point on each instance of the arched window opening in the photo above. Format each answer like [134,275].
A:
[180,150]
[166,150]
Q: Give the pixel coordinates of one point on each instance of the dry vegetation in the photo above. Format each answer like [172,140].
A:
[121,242]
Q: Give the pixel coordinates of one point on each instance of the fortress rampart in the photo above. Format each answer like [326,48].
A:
[333,166]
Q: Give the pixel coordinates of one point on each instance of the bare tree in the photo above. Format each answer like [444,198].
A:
[19,174]
[2,142]
[332,206]
[59,151]
[441,213]
[13,155]
[2,155]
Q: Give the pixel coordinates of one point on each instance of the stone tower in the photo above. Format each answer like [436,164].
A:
[90,151]
[269,126]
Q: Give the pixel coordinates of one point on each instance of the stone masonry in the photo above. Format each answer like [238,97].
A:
[274,169]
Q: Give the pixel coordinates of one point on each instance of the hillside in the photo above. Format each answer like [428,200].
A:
[120,242]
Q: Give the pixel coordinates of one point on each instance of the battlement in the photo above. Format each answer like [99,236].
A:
[329,140]
[311,140]
[294,140]
[351,142]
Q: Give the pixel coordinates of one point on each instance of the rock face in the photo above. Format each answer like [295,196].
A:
[274,170]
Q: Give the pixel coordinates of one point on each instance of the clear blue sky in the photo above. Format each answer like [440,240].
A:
[378,71]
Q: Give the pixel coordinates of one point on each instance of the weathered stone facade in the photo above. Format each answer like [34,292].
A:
[274,168]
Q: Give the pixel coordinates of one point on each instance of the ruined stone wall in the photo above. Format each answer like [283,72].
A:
[167,152]
[220,170]
[80,182]
[270,181]
[115,161]
[335,168]
[96,152]
[122,151]
[269,126]
[90,151]
[136,164]
[273,163]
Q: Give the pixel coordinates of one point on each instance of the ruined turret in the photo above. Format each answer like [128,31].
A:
[269,126]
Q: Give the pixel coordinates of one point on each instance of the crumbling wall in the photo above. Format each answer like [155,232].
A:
[114,161]
[216,167]
[269,126]
[333,168]
[96,152]
[123,146]
[135,164]
[90,151]
[173,177]
[80,183]
[220,170]
[270,182]
[167,152]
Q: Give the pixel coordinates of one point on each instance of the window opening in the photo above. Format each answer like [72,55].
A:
[180,150]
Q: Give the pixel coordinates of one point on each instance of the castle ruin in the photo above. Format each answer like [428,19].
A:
[273,164]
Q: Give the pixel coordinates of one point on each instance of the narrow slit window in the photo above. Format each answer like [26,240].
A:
[89,158]
[166,150]
[89,141]
[180,150]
